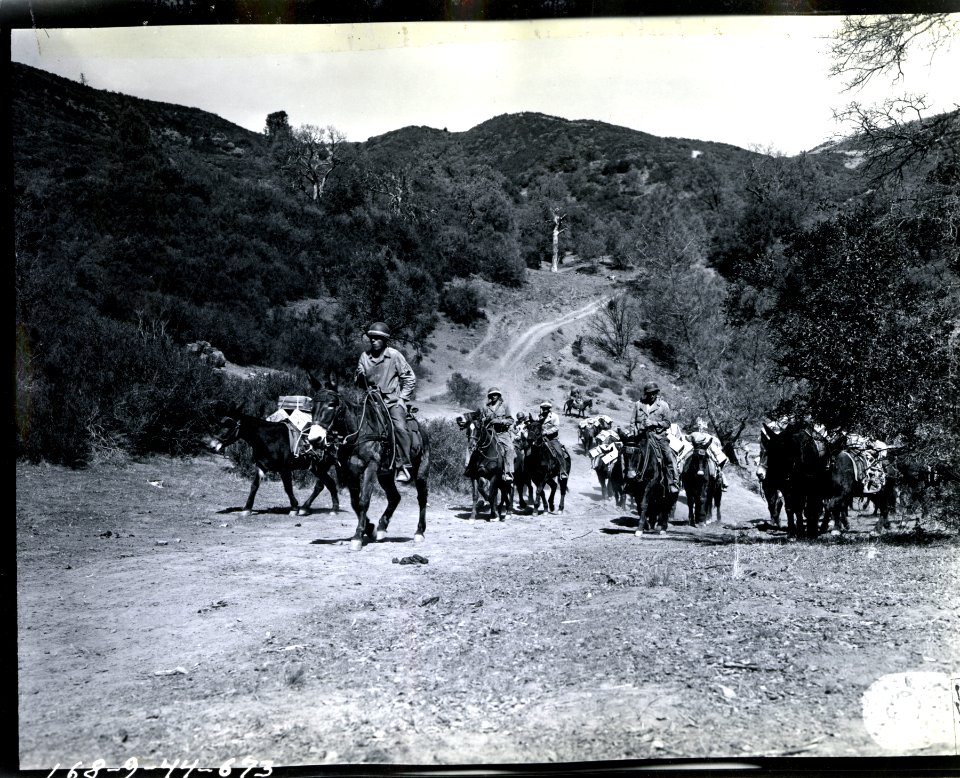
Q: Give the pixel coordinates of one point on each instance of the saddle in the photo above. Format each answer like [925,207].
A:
[413,427]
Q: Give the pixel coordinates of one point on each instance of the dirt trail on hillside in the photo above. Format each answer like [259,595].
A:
[528,340]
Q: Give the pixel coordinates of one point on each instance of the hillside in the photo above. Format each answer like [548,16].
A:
[161,225]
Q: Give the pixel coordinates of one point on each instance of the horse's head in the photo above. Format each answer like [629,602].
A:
[226,428]
[327,410]
[534,432]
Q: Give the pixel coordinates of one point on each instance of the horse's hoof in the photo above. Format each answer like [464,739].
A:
[335,507]
[245,513]
[418,538]
[835,532]
[356,544]
[472,521]
[501,518]
[303,512]
[295,512]
[639,533]
[381,534]
[663,533]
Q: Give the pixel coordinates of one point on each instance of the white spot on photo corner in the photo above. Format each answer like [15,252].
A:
[910,711]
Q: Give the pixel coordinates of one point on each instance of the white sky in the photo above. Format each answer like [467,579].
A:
[749,81]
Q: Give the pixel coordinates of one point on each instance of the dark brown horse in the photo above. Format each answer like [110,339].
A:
[644,475]
[362,435]
[797,467]
[543,466]
[701,484]
[485,466]
[270,445]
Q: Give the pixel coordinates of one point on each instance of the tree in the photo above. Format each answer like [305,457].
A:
[278,126]
[725,368]
[866,323]
[615,327]
[899,132]
[906,381]
[309,156]
[558,227]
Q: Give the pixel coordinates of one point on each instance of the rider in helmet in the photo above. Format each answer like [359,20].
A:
[652,414]
[714,450]
[550,428]
[385,368]
[497,412]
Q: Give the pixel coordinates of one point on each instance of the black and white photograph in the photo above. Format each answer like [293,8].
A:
[473,393]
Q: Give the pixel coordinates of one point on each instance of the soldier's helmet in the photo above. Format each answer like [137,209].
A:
[378,330]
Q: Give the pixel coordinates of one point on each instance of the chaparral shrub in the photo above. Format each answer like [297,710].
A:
[448,446]
[465,391]
[462,302]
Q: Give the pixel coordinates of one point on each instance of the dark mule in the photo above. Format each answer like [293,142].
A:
[270,444]
[523,486]
[610,486]
[797,460]
[586,435]
[644,475]
[701,484]
[580,406]
[542,467]
[842,485]
[884,500]
[485,466]
[603,465]
[362,435]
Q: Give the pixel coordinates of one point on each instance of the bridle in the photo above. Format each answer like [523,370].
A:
[233,431]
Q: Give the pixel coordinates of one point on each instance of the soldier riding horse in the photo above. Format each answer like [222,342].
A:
[646,478]
[485,465]
[364,438]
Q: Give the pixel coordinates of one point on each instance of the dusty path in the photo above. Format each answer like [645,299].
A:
[525,343]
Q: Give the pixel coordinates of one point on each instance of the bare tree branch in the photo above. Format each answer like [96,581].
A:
[867,46]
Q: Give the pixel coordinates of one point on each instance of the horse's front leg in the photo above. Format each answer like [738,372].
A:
[539,499]
[553,493]
[360,497]
[393,500]
[248,506]
[422,494]
[305,508]
[563,492]
[477,498]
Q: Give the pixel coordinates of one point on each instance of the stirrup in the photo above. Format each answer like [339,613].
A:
[403,475]
[507,477]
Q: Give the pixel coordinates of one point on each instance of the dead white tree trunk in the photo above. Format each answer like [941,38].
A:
[558,227]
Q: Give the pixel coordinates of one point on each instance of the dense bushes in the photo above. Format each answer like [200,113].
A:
[448,448]
[462,302]
[465,391]
[106,384]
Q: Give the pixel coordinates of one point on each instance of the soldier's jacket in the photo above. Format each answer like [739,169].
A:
[498,412]
[391,373]
[657,413]
[551,423]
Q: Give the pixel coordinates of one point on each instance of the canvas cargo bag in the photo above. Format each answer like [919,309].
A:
[295,402]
